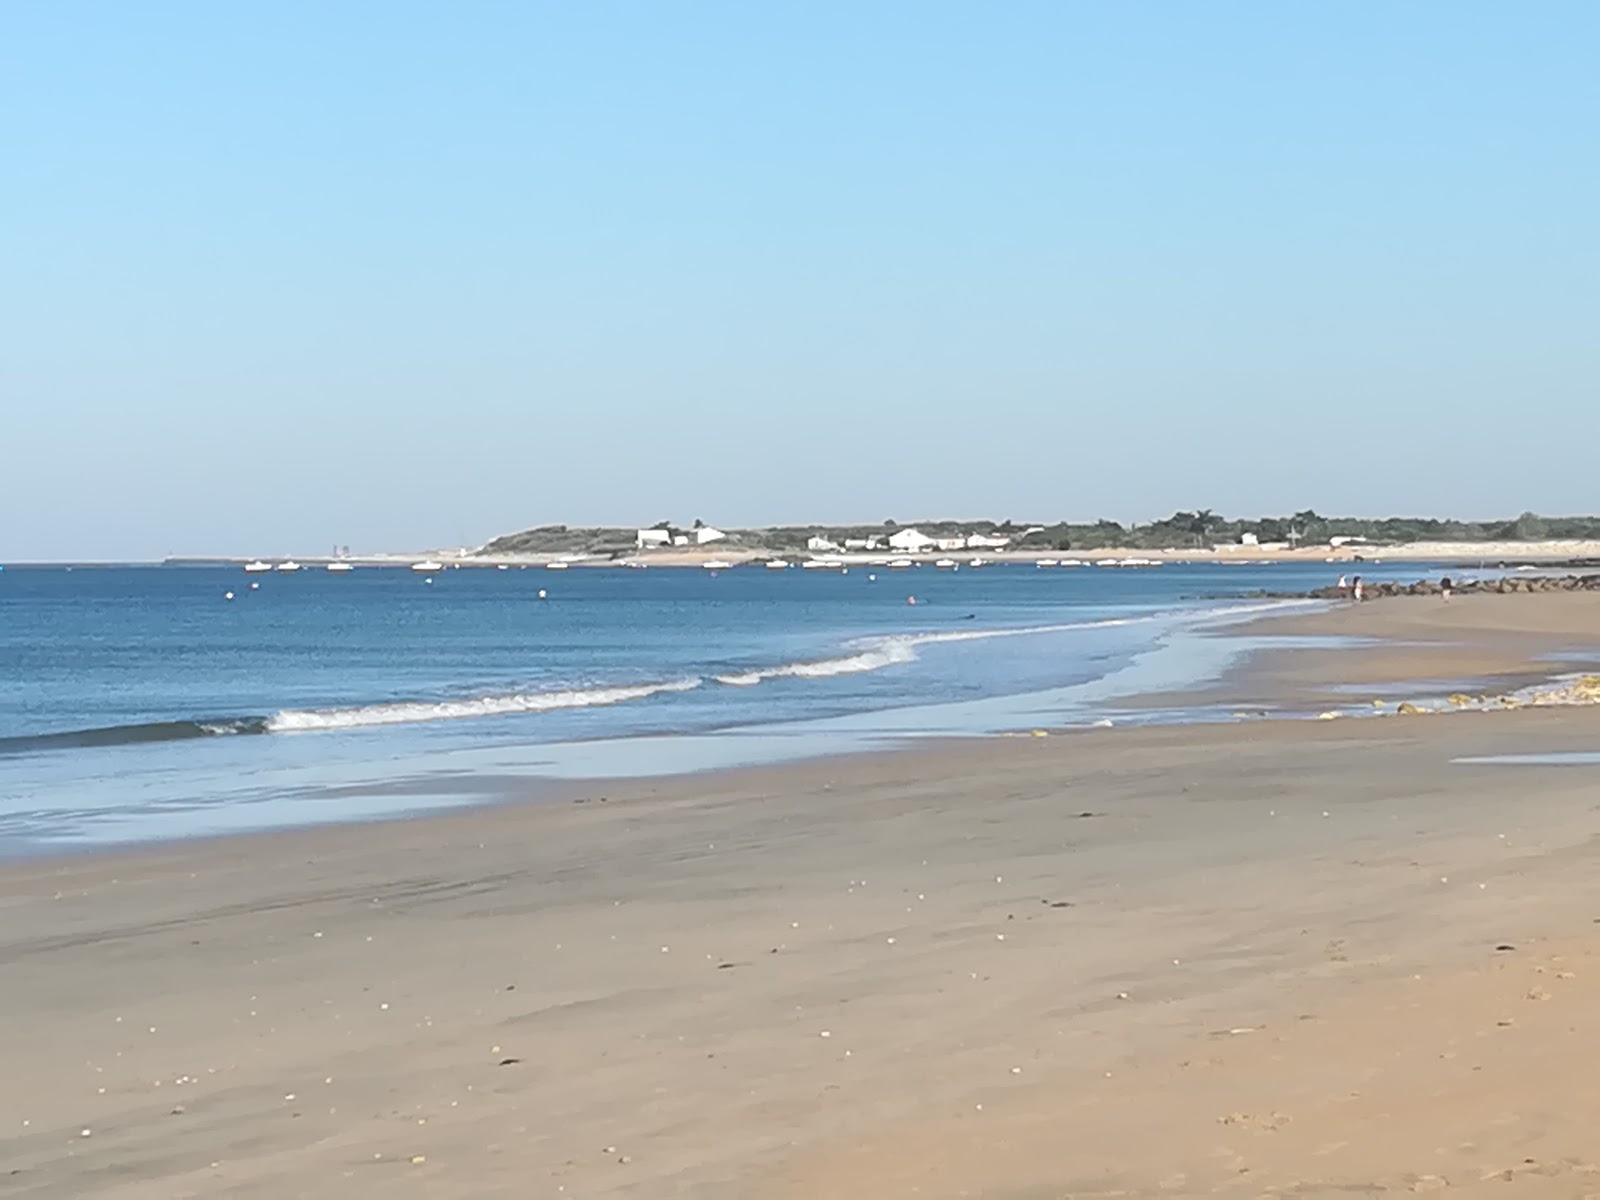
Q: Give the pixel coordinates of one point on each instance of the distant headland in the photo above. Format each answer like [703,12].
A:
[1201,535]
[1200,530]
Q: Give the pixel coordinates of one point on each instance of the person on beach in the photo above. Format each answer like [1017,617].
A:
[1445,587]
[1344,584]
[1355,589]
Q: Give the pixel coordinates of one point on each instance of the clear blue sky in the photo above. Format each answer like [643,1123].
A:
[279,275]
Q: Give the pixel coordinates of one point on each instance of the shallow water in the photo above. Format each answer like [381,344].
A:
[1561,758]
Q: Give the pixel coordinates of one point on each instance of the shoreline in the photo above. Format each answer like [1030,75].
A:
[1373,661]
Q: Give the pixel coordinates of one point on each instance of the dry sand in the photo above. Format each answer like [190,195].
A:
[1256,960]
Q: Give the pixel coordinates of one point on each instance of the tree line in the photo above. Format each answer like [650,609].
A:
[1204,527]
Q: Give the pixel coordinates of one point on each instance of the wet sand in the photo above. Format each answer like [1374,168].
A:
[1258,959]
[1405,647]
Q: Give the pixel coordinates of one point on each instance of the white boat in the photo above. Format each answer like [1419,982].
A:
[900,564]
[777,564]
[256,566]
[556,566]
[979,562]
[290,565]
[944,564]
[1047,562]
[427,564]
[340,566]
[822,564]
[716,564]
[1072,562]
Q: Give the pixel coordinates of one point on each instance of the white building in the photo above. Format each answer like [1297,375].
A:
[861,543]
[654,537]
[1249,539]
[818,542]
[911,540]
[951,543]
[707,534]
[979,541]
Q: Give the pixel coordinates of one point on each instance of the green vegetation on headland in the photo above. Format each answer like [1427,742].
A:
[1182,530]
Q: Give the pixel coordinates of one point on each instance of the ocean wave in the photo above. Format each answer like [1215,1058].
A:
[133,735]
[887,653]
[406,712]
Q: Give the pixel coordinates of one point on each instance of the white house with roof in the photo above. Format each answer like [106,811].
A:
[867,543]
[950,543]
[910,540]
[654,537]
[706,534]
[980,541]
[818,542]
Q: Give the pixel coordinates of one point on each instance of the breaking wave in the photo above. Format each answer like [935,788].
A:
[406,712]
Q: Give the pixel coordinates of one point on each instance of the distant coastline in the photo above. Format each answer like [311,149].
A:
[1468,554]
[1200,536]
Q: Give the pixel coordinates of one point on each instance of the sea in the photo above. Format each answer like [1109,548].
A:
[144,703]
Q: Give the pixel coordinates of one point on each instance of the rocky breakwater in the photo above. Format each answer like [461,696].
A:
[1466,587]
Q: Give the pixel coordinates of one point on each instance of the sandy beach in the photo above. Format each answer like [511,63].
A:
[1272,958]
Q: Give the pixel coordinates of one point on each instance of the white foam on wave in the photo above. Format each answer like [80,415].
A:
[407,712]
[886,653]
[896,649]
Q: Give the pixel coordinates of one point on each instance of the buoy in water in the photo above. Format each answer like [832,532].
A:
[227,595]
[541,593]
[255,587]
[911,599]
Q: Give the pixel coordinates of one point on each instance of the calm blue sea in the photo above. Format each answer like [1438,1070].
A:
[140,703]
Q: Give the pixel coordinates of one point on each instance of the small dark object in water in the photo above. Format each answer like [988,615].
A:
[1057,903]
[1505,946]
[1087,814]
[506,1062]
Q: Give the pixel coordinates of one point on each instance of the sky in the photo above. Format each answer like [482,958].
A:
[276,276]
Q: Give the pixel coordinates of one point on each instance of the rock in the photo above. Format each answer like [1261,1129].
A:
[1408,709]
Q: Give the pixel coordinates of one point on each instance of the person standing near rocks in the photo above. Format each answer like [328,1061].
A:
[1445,588]
[1355,589]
